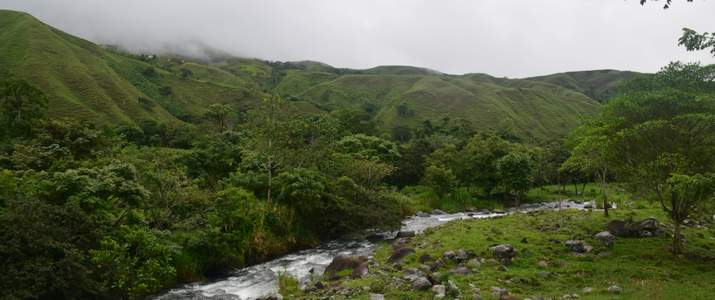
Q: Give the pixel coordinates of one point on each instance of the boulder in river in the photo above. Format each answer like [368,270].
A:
[504,252]
[422,214]
[406,234]
[438,212]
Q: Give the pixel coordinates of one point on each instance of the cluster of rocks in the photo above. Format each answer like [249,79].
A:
[430,278]
[645,228]
[432,275]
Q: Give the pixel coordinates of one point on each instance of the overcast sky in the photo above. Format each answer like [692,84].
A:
[514,38]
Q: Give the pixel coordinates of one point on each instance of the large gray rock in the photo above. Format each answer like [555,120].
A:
[606,238]
[346,262]
[422,214]
[504,252]
[421,284]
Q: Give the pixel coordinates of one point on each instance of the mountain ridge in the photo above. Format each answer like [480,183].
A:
[101,84]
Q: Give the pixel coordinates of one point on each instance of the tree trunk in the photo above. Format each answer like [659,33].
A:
[604,187]
[270,183]
[677,238]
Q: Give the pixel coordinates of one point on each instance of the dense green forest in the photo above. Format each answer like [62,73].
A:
[122,175]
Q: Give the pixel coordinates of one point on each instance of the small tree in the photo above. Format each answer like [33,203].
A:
[515,172]
[591,156]
[219,115]
[441,179]
[684,194]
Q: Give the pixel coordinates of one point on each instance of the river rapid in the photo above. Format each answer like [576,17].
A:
[262,279]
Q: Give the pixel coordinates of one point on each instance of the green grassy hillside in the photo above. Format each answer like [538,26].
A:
[530,109]
[90,82]
[599,84]
[96,83]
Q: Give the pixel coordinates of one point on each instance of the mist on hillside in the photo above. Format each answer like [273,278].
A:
[504,38]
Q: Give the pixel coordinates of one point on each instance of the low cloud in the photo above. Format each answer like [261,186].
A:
[511,38]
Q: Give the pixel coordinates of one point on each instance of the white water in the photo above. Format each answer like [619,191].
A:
[261,279]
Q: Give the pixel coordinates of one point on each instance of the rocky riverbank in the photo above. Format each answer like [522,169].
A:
[535,255]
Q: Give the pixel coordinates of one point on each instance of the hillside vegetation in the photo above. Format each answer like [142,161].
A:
[107,86]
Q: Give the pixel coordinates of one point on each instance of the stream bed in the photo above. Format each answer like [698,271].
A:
[262,279]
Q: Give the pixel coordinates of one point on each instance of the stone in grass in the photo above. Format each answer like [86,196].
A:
[542,264]
[577,246]
[606,238]
[504,252]
[461,255]
[448,255]
[614,289]
[461,270]
[545,274]
[474,263]
[440,291]
[377,297]
[421,284]
[499,292]
[436,265]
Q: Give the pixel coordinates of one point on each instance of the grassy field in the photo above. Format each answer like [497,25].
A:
[642,267]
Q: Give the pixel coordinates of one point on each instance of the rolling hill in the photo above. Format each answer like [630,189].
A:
[107,86]
[598,84]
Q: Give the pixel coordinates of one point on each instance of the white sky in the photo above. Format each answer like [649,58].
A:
[514,38]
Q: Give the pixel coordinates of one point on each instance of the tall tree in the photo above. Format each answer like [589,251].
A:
[591,156]
[268,136]
[662,130]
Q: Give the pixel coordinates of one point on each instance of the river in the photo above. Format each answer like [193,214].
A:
[262,279]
